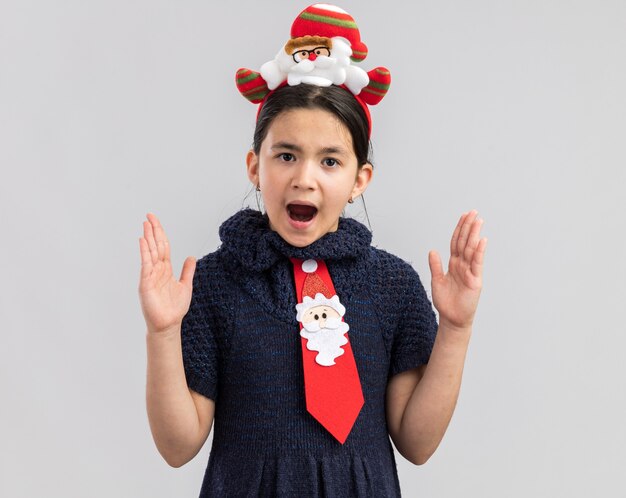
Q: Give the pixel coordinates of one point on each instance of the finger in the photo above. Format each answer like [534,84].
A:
[149,236]
[157,232]
[163,245]
[146,258]
[455,236]
[186,275]
[434,261]
[473,239]
[465,229]
[477,261]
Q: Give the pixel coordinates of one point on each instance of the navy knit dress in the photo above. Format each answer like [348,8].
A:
[242,348]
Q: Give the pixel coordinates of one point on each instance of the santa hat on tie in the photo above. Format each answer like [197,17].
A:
[315,293]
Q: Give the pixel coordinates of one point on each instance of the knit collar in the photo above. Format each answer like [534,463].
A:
[248,237]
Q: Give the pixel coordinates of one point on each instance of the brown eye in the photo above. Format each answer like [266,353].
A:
[317,317]
[323,315]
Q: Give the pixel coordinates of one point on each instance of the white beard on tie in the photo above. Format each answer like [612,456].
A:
[326,341]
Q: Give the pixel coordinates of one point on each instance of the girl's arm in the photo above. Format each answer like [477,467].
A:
[420,402]
[180,419]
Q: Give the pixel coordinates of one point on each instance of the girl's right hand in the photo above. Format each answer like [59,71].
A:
[164,300]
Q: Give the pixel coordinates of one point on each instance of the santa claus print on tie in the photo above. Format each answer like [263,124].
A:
[321,318]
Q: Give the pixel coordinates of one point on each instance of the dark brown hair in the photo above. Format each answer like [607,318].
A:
[336,100]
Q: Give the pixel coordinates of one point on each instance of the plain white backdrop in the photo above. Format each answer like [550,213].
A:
[111,109]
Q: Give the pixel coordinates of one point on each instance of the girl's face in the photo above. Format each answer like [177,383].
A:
[307,170]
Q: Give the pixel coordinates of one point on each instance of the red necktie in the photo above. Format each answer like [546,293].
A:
[332,386]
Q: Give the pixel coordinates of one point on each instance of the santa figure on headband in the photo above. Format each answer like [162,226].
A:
[325,42]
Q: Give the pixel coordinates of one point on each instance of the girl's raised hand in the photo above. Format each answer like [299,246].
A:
[164,300]
[456,293]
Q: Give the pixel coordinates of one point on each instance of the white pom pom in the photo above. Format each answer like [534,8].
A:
[309,266]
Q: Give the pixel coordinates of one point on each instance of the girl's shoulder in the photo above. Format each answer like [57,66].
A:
[403,308]
[211,279]
[209,262]
[215,263]
[391,269]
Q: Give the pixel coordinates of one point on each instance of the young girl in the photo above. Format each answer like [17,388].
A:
[308,347]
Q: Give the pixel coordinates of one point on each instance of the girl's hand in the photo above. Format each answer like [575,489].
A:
[164,300]
[455,294]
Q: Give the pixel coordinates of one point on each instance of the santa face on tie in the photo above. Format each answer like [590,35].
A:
[324,331]
[321,317]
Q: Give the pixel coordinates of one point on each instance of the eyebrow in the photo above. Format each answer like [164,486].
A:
[287,146]
[297,148]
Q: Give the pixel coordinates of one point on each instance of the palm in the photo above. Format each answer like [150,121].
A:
[164,300]
[456,293]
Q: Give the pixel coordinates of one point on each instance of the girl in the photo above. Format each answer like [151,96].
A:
[309,409]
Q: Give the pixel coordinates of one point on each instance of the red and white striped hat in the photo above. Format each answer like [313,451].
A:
[329,21]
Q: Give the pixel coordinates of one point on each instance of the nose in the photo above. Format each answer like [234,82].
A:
[312,56]
[304,176]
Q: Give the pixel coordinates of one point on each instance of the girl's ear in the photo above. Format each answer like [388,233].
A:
[363,178]
[252,164]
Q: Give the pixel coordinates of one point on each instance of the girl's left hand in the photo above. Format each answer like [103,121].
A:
[455,294]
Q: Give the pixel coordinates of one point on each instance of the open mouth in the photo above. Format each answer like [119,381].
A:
[300,212]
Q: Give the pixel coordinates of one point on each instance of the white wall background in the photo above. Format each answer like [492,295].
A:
[110,109]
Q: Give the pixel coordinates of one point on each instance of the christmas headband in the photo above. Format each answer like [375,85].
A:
[324,43]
